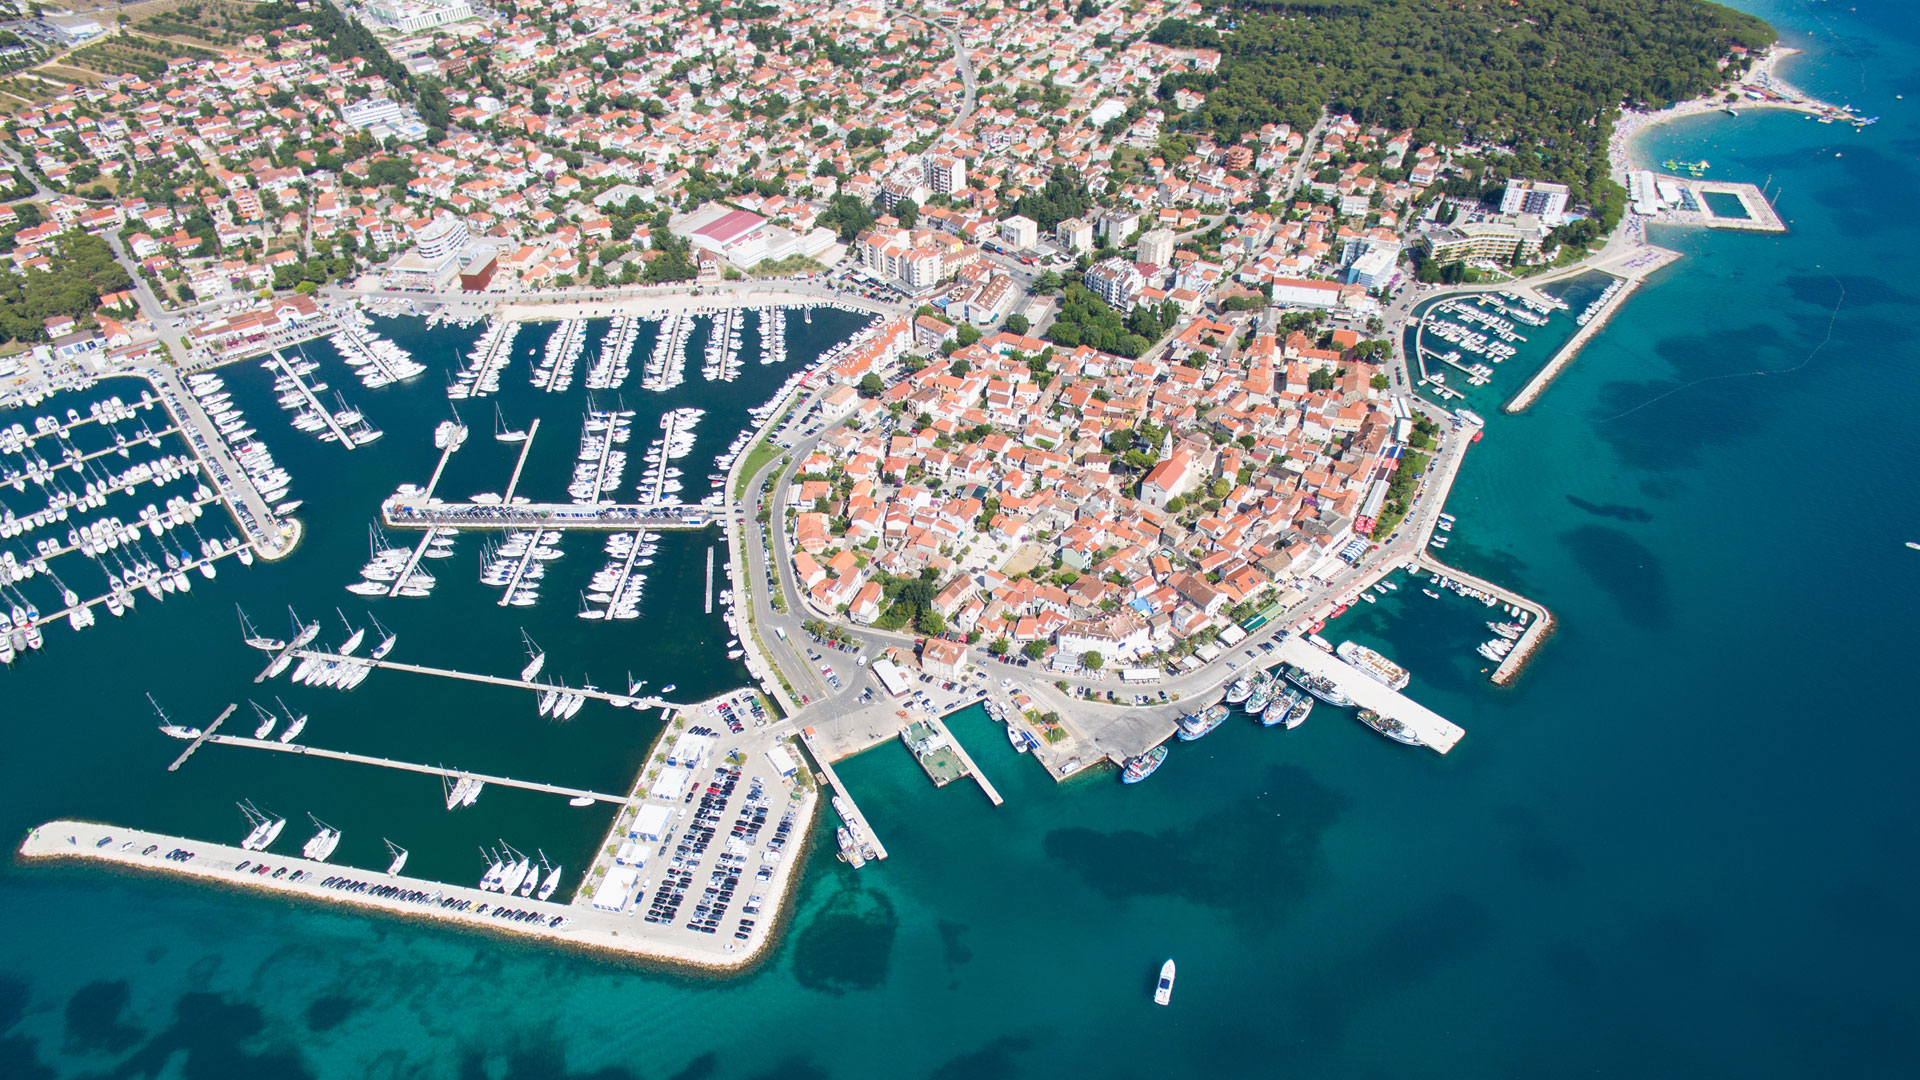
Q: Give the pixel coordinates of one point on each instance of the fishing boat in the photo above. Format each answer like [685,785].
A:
[1241,689]
[1139,768]
[1319,686]
[1193,726]
[399,857]
[1388,726]
[1163,990]
[1373,665]
[1289,706]
[1256,702]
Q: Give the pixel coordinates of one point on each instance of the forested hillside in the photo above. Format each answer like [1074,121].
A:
[1544,76]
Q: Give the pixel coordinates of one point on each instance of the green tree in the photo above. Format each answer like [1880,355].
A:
[871,386]
[1034,649]
[1091,661]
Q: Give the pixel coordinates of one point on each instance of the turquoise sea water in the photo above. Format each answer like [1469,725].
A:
[1680,845]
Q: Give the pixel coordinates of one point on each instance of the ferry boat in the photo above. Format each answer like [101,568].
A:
[1139,768]
[1318,686]
[1374,665]
[1388,726]
[1163,990]
[1193,727]
[1289,707]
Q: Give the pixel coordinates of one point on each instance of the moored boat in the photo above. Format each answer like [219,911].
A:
[1193,726]
[1388,726]
[1372,664]
[1143,766]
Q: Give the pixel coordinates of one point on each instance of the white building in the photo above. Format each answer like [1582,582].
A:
[1156,247]
[444,236]
[413,16]
[1019,232]
[1115,281]
[1373,269]
[1548,201]
[945,174]
[378,109]
[1075,235]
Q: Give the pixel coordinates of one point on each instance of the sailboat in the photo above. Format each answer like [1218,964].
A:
[490,880]
[254,637]
[178,731]
[399,856]
[551,882]
[516,874]
[266,827]
[502,432]
[267,720]
[353,639]
[295,724]
[537,658]
[387,638]
[320,848]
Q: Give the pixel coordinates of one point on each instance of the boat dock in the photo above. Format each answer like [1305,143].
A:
[1757,214]
[415,513]
[340,434]
[1436,732]
[526,445]
[271,538]
[709,592]
[420,549]
[580,924]
[406,766]
[966,759]
[849,811]
[495,680]
[74,463]
[1530,639]
[205,733]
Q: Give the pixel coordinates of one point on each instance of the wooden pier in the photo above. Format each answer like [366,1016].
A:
[856,821]
[495,680]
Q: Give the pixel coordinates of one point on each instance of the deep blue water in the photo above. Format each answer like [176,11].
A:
[1681,845]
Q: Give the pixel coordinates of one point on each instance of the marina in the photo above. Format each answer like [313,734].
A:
[617,700]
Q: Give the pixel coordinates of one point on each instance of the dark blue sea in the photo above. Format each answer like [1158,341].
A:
[1681,845]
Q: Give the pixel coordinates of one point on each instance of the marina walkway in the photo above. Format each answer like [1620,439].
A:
[526,445]
[314,403]
[407,766]
[418,513]
[496,680]
[1435,731]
